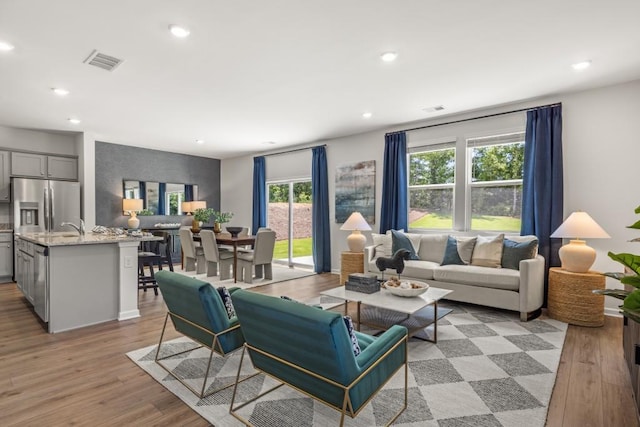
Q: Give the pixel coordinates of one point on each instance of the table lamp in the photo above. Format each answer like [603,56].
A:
[132,206]
[576,256]
[186,208]
[356,239]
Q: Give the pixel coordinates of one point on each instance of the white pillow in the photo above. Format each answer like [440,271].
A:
[488,251]
[382,243]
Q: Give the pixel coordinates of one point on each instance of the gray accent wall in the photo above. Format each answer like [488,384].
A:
[115,162]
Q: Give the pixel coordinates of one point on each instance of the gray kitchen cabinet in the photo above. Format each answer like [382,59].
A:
[33,165]
[5,182]
[6,257]
[62,168]
[28,164]
[25,276]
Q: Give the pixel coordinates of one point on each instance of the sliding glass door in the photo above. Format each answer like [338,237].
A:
[289,215]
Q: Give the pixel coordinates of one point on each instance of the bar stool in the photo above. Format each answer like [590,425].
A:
[153,253]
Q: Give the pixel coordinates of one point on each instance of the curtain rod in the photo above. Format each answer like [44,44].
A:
[293,151]
[476,118]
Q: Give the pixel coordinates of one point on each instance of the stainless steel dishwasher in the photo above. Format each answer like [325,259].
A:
[41,282]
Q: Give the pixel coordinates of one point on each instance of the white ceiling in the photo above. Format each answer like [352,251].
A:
[291,71]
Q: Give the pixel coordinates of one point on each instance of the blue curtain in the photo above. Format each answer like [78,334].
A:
[162,194]
[143,193]
[188,193]
[259,194]
[320,211]
[542,188]
[393,212]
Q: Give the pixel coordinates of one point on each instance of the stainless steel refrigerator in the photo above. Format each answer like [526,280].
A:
[43,205]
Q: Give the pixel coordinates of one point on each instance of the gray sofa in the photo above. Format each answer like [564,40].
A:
[518,290]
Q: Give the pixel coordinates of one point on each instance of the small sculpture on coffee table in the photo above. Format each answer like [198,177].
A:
[396,262]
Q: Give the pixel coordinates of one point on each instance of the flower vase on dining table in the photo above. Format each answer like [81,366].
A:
[216,228]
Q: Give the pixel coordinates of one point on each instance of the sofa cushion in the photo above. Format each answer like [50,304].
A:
[458,250]
[497,278]
[410,242]
[515,251]
[488,251]
[382,243]
[421,270]
[432,247]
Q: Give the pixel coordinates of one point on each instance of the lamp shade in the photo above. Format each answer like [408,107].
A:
[186,207]
[576,256]
[580,225]
[132,205]
[356,223]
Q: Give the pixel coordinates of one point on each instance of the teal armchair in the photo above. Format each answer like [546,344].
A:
[310,350]
[197,311]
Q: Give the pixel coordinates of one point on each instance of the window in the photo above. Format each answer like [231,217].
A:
[495,181]
[469,184]
[431,186]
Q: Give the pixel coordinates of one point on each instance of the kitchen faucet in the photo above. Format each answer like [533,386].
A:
[80,229]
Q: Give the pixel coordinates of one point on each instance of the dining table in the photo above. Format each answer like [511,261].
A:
[226,239]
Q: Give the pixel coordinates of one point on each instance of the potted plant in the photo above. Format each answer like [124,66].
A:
[631,299]
[201,216]
[220,218]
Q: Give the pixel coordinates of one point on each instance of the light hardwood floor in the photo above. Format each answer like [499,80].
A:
[83,377]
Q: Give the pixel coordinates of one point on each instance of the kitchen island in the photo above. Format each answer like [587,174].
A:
[75,281]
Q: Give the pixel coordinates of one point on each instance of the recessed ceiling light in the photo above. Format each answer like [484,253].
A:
[269,142]
[6,46]
[583,65]
[367,115]
[389,56]
[199,141]
[433,109]
[74,121]
[60,91]
[179,31]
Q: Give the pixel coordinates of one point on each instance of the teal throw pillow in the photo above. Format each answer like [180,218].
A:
[458,251]
[513,252]
[401,241]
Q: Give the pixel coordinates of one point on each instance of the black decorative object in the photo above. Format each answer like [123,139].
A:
[362,282]
[234,231]
[396,262]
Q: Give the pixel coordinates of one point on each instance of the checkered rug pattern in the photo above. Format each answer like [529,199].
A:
[487,369]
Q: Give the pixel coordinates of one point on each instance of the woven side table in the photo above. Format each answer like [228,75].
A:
[350,262]
[571,299]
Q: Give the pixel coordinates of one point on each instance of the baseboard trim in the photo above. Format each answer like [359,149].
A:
[613,312]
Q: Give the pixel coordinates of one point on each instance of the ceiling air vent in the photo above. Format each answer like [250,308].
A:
[103,61]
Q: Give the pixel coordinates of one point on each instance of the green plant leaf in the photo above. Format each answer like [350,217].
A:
[631,280]
[628,260]
[632,301]
[631,314]
[615,293]
[635,225]
[615,275]
[638,210]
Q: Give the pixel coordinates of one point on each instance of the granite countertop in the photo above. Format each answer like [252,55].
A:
[73,239]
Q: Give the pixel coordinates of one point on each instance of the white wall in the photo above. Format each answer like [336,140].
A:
[86,147]
[601,133]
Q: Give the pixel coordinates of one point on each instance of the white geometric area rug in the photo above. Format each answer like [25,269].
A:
[487,369]
[281,273]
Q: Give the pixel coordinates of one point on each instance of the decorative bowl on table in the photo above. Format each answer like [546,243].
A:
[234,231]
[405,288]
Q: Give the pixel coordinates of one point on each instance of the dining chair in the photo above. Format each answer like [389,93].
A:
[193,255]
[213,256]
[260,258]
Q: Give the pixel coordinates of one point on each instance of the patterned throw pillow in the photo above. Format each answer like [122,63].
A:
[458,250]
[354,340]
[226,301]
[488,251]
[404,241]
[513,252]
